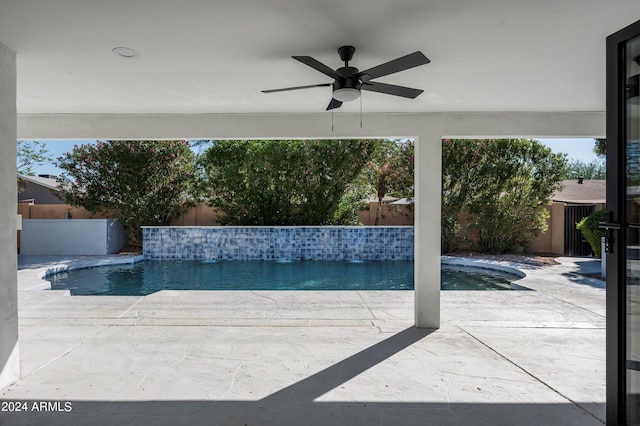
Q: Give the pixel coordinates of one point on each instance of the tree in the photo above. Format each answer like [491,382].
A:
[461,169]
[391,170]
[139,182]
[31,154]
[600,148]
[504,184]
[595,169]
[283,182]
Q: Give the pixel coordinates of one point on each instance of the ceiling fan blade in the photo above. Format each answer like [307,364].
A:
[334,104]
[317,65]
[411,60]
[296,88]
[391,89]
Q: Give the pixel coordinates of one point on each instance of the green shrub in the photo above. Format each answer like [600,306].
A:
[504,184]
[592,233]
[285,182]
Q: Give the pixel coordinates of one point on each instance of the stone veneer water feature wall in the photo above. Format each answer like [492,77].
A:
[278,242]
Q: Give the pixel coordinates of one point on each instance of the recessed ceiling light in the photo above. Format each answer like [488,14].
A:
[125,52]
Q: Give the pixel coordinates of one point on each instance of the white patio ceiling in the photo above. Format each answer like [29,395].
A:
[203,56]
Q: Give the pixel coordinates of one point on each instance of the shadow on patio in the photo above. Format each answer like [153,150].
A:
[297,404]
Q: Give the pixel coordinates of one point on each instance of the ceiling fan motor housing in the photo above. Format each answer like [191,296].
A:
[346,79]
[347,83]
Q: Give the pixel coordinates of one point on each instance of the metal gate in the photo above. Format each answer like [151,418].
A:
[574,242]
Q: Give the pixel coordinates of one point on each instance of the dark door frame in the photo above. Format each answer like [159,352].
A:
[616,221]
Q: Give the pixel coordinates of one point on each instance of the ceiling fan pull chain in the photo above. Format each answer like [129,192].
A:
[332,120]
[361,111]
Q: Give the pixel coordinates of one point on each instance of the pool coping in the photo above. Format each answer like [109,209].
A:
[511,268]
[492,265]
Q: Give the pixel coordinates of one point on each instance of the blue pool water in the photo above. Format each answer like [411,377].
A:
[150,276]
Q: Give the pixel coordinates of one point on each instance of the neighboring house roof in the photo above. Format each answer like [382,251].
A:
[47,182]
[43,189]
[587,192]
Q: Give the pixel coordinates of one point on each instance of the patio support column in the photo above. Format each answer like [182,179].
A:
[9,365]
[427,181]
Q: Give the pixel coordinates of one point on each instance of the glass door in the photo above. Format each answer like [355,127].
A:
[623,227]
[632,285]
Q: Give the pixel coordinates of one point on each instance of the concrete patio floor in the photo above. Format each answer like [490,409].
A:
[313,357]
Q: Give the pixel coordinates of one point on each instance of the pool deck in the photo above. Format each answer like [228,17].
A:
[313,357]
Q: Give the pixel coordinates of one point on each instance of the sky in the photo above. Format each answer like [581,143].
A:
[578,148]
[56,149]
[581,149]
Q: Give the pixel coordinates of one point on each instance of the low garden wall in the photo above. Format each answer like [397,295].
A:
[71,237]
[278,243]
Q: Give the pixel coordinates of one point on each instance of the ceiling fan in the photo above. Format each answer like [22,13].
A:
[349,81]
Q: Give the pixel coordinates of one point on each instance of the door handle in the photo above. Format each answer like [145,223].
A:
[609,225]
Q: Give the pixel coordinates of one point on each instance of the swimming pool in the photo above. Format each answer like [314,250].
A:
[475,278]
[152,275]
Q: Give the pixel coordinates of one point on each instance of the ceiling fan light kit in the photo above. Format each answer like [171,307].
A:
[349,81]
[346,94]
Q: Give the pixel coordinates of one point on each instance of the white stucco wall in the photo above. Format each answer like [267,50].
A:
[427,128]
[9,365]
[71,237]
[116,236]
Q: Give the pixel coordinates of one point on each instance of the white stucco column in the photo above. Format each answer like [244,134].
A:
[9,365]
[427,181]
